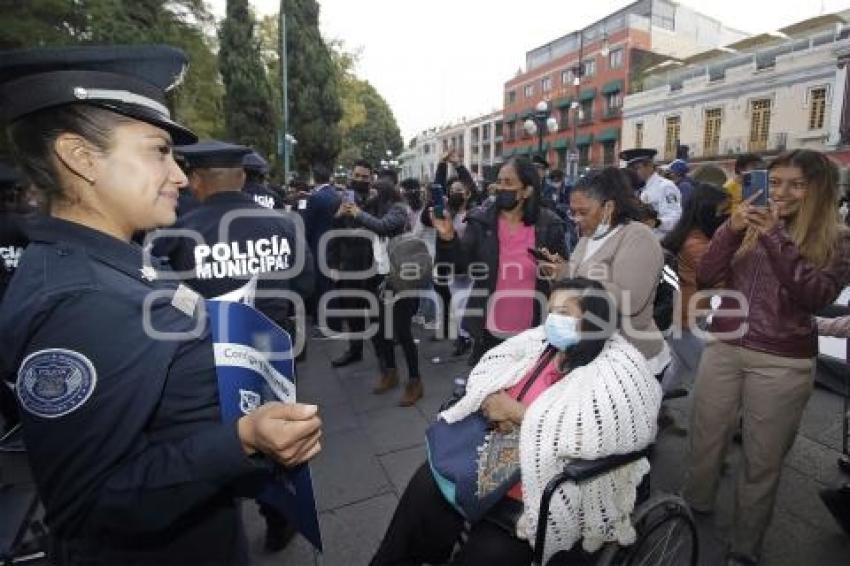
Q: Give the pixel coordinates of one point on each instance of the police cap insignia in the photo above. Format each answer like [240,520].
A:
[54,382]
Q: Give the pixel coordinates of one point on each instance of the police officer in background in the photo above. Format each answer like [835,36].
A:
[661,194]
[256,181]
[13,240]
[260,243]
[123,430]
[261,246]
[13,209]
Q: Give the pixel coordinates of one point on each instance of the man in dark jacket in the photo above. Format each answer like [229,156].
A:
[322,205]
[348,255]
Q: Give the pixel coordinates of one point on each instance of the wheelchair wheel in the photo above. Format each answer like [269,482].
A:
[666,536]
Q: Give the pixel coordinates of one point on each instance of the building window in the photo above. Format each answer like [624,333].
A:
[528,91]
[639,135]
[759,124]
[711,135]
[585,114]
[614,102]
[671,139]
[485,132]
[817,108]
[583,155]
[546,84]
[615,59]
[608,153]
[564,122]
[499,126]
[567,76]
[511,97]
[589,68]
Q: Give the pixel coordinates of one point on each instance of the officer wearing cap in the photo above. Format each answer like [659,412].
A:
[260,243]
[658,192]
[123,429]
[256,184]
[678,170]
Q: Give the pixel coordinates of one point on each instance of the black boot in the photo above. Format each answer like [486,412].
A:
[462,345]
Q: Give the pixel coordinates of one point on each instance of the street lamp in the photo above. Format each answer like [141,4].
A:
[540,123]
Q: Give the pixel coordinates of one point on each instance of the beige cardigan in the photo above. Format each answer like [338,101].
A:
[629,265]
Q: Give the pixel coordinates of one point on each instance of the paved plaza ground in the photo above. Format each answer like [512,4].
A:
[372,446]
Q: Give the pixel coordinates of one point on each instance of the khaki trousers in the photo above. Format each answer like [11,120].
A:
[769,392]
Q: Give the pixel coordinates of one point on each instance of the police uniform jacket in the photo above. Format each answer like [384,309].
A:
[663,195]
[258,242]
[13,240]
[262,195]
[122,426]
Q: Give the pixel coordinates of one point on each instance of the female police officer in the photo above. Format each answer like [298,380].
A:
[122,423]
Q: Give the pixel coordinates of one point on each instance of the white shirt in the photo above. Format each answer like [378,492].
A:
[665,198]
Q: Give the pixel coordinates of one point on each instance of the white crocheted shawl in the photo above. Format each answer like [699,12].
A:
[607,407]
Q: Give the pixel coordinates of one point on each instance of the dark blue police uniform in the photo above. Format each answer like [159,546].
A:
[256,169]
[124,434]
[122,423]
[261,246]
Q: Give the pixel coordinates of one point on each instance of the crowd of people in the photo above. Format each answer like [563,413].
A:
[553,290]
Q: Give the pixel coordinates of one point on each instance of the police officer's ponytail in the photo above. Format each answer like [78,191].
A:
[32,138]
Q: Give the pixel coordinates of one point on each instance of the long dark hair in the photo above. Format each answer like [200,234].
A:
[527,174]
[611,184]
[596,305]
[700,213]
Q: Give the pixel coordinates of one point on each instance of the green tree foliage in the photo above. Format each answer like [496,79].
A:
[182,23]
[250,116]
[368,127]
[314,104]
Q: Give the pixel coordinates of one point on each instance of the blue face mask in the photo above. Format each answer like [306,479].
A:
[562,331]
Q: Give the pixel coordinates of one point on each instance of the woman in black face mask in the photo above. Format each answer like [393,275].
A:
[703,215]
[499,236]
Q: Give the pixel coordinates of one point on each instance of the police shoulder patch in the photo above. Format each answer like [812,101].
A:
[54,382]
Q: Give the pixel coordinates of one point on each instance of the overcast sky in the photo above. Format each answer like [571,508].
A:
[435,61]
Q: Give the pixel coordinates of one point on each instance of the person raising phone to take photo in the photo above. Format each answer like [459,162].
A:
[785,262]
[498,236]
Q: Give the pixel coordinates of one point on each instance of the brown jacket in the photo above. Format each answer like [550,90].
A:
[783,290]
[629,265]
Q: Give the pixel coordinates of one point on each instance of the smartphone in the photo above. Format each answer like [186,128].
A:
[537,254]
[348,197]
[755,181]
[438,200]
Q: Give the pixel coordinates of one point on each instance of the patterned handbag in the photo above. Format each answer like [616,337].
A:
[473,464]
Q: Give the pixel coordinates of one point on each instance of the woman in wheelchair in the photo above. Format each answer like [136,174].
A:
[586,394]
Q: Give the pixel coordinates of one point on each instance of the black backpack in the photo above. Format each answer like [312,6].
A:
[666,292]
[411,264]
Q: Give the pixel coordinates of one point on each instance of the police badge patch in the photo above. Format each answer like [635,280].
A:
[248,401]
[54,382]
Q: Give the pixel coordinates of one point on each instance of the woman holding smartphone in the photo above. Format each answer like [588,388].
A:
[779,264]
[497,236]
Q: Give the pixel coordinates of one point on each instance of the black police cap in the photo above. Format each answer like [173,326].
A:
[632,156]
[255,162]
[210,154]
[129,80]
